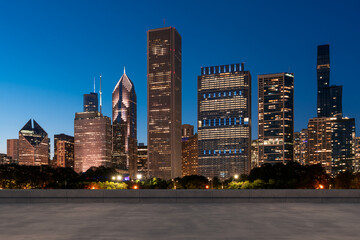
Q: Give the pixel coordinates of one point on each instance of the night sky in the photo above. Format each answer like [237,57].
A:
[50,52]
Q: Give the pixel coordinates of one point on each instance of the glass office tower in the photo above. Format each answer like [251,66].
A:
[124,134]
[224,121]
[276,117]
[164,102]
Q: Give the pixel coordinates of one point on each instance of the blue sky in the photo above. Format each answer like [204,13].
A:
[51,50]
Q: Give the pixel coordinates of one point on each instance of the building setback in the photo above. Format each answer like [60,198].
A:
[92,134]
[276,117]
[91,102]
[164,102]
[12,149]
[63,150]
[124,127]
[224,121]
[34,145]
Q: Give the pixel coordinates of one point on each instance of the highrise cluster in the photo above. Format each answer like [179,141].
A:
[222,147]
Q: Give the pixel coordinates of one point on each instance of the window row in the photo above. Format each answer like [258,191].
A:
[222,94]
[225,151]
[224,122]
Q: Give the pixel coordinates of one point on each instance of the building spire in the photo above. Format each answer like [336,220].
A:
[100,96]
[124,69]
[94,84]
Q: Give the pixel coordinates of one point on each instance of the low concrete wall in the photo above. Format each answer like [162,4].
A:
[179,196]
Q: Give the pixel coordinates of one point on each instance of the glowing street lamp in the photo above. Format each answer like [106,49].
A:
[113,178]
[236,176]
[138,176]
[119,177]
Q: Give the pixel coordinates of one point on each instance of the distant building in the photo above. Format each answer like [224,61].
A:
[63,150]
[356,165]
[297,151]
[142,155]
[124,126]
[5,159]
[329,98]
[164,102]
[224,121]
[276,117]
[91,103]
[255,154]
[34,145]
[187,131]
[331,142]
[304,147]
[12,149]
[92,135]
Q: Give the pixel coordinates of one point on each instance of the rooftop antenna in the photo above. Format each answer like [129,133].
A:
[94,84]
[164,22]
[124,69]
[100,96]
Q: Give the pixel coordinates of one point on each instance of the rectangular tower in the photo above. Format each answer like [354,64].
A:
[224,121]
[276,117]
[92,134]
[91,103]
[164,102]
[63,150]
[12,149]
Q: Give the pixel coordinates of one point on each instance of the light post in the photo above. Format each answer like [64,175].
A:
[236,177]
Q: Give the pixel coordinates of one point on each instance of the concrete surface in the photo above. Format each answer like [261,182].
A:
[180,196]
[179,221]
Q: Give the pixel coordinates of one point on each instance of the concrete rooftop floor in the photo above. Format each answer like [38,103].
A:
[180,221]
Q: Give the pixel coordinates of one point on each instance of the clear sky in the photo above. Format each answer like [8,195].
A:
[51,50]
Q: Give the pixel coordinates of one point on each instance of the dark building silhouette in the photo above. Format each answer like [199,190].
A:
[329,98]
[63,150]
[34,145]
[164,102]
[91,102]
[124,127]
[276,117]
[224,121]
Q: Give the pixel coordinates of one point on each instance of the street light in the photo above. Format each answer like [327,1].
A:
[113,178]
[236,176]
[138,176]
[119,177]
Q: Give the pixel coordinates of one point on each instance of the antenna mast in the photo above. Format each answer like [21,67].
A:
[100,96]
[94,84]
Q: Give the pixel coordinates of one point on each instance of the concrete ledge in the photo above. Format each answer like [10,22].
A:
[180,196]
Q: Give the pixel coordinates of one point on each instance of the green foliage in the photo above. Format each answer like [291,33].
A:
[112,185]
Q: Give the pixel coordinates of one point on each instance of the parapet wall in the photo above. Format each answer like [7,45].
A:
[179,196]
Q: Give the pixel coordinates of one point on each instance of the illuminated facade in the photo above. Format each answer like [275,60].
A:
[331,143]
[164,102]
[12,149]
[255,154]
[356,165]
[187,131]
[142,156]
[91,102]
[92,135]
[329,98]
[224,121]
[34,145]
[63,150]
[304,147]
[276,117]
[124,132]
[190,155]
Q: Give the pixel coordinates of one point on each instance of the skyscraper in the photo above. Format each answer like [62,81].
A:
[224,121]
[63,150]
[164,102]
[12,149]
[329,98]
[187,131]
[92,135]
[34,145]
[190,155]
[142,156]
[91,102]
[124,132]
[276,117]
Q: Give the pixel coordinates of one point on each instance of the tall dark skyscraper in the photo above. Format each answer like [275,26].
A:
[91,103]
[276,117]
[124,133]
[224,121]
[329,98]
[34,145]
[164,102]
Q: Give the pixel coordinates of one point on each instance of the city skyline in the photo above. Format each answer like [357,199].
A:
[38,84]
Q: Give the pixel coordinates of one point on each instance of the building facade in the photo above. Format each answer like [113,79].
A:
[164,102]
[91,102]
[63,150]
[124,126]
[356,165]
[255,154]
[34,145]
[276,117]
[190,155]
[12,149]
[224,121]
[331,143]
[142,156]
[187,131]
[92,135]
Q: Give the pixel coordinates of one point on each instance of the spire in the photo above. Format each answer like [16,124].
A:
[94,84]
[100,96]
[124,69]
